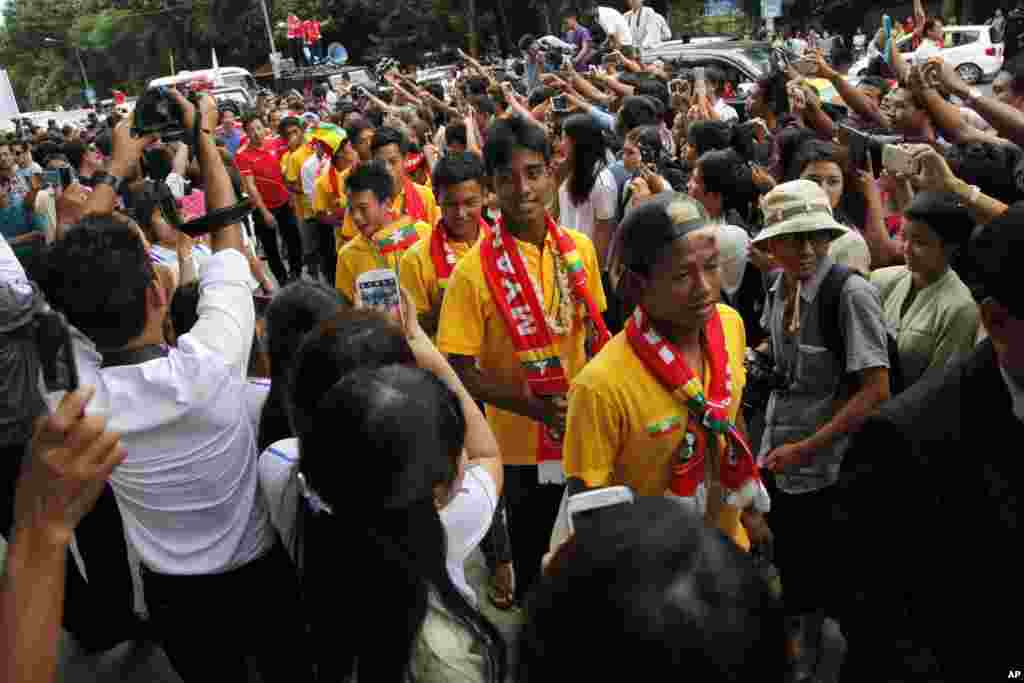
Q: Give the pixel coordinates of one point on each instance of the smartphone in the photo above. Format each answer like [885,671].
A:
[56,353]
[857,146]
[559,103]
[379,290]
[699,84]
[648,155]
[895,159]
[583,507]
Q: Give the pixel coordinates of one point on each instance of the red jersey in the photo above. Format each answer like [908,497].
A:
[307,31]
[294,27]
[314,31]
[264,165]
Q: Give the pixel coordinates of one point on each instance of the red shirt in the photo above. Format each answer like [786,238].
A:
[307,30]
[294,27]
[314,27]
[263,164]
[277,144]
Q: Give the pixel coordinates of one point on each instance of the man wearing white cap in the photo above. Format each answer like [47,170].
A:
[828,341]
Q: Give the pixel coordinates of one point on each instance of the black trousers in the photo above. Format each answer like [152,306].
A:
[326,250]
[288,226]
[497,545]
[807,528]
[531,508]
[295,46]
[99,613]
[212,625]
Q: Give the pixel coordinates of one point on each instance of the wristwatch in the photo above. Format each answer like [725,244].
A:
[104,178]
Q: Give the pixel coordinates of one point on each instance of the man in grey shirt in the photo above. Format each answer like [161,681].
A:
[825,397]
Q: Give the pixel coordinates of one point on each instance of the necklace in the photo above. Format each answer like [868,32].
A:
[559,319]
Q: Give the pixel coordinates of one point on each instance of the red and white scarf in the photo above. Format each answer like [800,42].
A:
[710,412]
[523,313]
[442,255]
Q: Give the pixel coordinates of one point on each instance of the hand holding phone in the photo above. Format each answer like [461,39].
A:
[583,507]
[379,290]
[700,86]
[898,161]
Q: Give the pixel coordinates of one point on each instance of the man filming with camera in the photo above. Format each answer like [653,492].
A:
[187,489]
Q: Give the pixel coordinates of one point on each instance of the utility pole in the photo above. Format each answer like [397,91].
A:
[266,20]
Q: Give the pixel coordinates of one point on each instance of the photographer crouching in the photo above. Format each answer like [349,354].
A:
[187,488]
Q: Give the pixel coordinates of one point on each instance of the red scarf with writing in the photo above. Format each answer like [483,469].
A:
[442,254]
[523,313]
[710,412]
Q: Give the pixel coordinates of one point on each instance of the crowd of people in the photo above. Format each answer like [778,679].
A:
[777,326]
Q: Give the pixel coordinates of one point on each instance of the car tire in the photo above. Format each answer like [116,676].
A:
[970,73]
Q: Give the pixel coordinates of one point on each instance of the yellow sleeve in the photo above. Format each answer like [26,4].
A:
[588,254]
[736,344]
[430,204]
[414,278]
[423,230]
[462,325]
[345,277]
[592,436]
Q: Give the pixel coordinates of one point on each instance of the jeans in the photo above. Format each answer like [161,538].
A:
[211,625]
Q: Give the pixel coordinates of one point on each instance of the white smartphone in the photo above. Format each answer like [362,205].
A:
[895,159]
[582,505]
[380,290]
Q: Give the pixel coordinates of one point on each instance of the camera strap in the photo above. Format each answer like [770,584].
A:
[136,356]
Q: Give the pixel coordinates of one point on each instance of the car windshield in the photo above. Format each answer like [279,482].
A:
[758,59]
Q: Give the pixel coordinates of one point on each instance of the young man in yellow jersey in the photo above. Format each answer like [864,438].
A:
[292,161]
[329,202]
[520,312]
[390,146]
[428,265]
[634,418]
[383,237]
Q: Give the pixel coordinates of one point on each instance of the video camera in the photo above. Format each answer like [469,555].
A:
[863,146]
[158,113]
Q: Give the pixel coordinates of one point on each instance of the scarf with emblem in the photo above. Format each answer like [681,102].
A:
[442,255]
[710,412]
[523,313]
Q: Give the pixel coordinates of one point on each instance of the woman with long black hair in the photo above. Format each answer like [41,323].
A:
[293,312]
[587,199]
[406,498]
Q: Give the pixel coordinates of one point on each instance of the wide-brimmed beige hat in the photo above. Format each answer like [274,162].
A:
[799,206]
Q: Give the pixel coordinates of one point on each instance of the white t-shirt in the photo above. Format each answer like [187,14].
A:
[614,24]
[927,49]
[726,112]
[466,518]
[310,172]
[188,489]
[647,27]
[600,205]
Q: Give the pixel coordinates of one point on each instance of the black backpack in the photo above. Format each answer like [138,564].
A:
[829,292]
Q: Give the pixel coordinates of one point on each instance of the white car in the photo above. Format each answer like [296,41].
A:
[971,49]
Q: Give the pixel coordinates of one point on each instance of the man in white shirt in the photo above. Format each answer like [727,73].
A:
[187,489]
[649,29]
[615,27]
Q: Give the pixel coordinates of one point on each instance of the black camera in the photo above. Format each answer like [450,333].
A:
[762,379]
[158,113]
[863,146]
